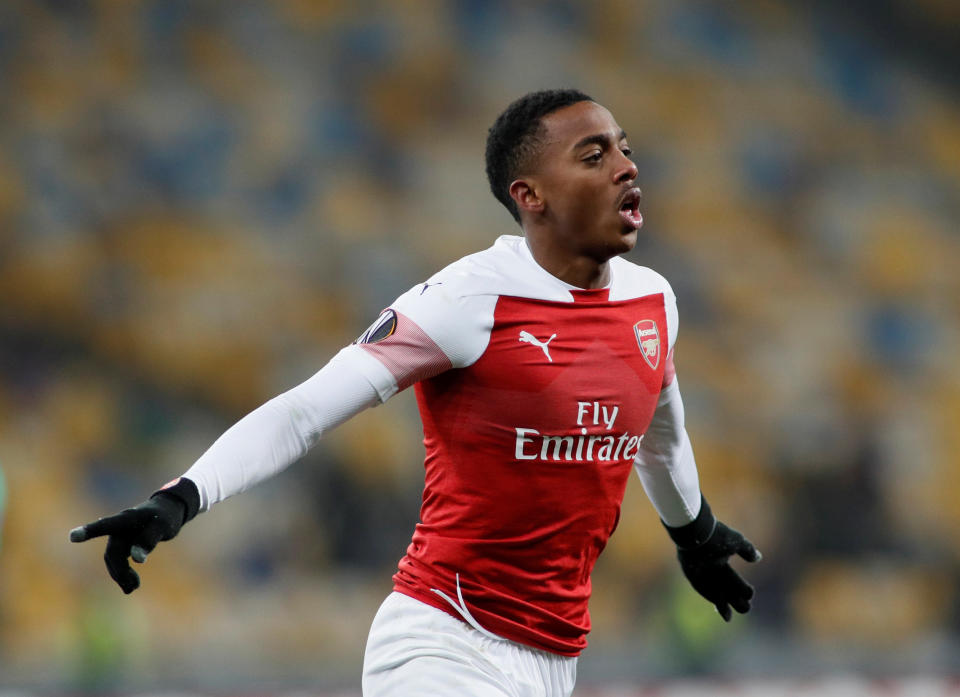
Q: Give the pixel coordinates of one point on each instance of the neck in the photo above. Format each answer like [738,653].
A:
[570,267]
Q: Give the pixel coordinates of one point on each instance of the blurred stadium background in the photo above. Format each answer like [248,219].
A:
[200,202]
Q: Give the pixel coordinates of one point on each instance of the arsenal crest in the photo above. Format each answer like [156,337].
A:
[648,338]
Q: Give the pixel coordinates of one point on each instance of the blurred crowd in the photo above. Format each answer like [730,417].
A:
[200,202]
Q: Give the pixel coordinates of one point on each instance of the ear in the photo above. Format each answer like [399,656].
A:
[526,195]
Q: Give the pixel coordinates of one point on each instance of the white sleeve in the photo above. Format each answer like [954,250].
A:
[665,462]
[673,320]
[278,433]
[433,327]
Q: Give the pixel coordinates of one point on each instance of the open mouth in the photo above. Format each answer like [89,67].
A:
[630,208]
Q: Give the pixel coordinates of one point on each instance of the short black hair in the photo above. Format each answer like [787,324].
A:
[515,137]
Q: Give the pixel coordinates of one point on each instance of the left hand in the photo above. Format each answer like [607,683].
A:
[708,569]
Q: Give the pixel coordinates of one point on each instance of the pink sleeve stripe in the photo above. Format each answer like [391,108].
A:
[409,354]
[669,371]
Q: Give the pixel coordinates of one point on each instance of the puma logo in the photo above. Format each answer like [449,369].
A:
[531,339]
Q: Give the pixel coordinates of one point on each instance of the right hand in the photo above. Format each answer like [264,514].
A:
[135,532]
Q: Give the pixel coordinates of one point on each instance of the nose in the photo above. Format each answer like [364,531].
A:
[626,170]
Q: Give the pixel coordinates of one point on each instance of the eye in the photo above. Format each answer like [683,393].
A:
[594,157]
[626,151]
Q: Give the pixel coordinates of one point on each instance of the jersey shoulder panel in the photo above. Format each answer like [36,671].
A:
[455,306]
[634,281]
[505,268]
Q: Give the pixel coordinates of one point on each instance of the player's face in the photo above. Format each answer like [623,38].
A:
[587,182]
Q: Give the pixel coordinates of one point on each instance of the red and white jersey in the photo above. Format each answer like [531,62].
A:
[534,397]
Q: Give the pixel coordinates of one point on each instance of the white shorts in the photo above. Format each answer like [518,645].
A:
[415,650]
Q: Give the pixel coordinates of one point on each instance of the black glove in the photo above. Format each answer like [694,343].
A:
[136,531]
[704,548]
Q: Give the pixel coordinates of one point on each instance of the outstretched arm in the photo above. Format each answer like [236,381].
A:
[258,446]
[420,336]
[267,440]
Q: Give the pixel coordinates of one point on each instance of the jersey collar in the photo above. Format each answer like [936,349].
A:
[578,294]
